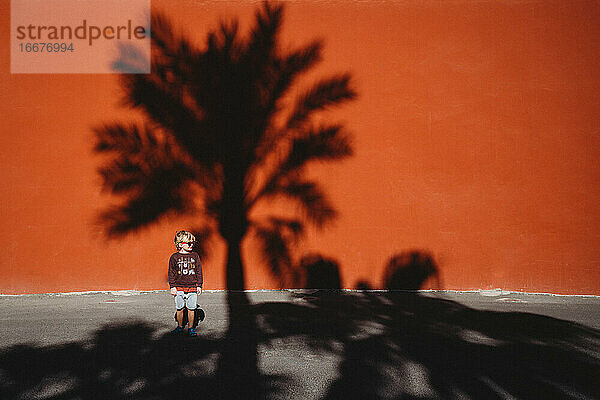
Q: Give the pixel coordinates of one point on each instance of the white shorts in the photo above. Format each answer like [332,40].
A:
[189,300]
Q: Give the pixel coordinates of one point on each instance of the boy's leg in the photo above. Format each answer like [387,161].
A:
[190,318]
[180,318]
[179,303]
[191,302]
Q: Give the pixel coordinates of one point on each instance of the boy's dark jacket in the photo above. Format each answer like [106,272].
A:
[185,270]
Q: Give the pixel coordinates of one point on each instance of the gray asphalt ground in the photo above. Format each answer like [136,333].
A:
[47,320]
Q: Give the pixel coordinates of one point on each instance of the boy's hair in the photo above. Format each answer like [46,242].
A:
[183,236]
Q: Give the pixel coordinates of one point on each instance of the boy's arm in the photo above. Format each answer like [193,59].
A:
[172,272]
[199,277]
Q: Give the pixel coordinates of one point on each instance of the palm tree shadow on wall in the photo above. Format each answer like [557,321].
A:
[224,135]
[220,141]
[320,272]
[410,270]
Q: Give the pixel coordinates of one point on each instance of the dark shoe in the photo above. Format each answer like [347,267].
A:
[192,332]
[177,330]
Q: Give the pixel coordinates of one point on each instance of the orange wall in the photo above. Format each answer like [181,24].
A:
[476,136]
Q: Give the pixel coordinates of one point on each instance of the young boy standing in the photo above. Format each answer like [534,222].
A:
[185,279]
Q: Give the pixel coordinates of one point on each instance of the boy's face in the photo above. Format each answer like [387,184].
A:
[186,246]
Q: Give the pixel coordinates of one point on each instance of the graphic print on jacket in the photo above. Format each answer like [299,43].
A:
[186,266]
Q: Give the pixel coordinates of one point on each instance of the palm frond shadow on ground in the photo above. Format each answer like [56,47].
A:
[402,345]
[395,345]
[123,362]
